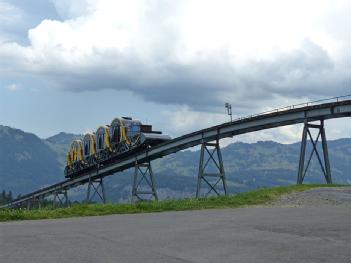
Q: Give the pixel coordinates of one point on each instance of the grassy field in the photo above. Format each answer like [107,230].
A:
[239,200]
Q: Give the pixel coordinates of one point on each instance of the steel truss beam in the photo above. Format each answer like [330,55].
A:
[212,150]
[337,108]
[320,135]
[97,185]
[144,187]
[60,198]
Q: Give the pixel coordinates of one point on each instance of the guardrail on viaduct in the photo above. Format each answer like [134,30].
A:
[306,113]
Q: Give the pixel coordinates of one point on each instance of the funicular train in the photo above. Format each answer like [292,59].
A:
[122,137]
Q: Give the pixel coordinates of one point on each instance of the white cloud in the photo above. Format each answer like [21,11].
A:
[197,54]
[285,134]
[9,13]
[12,87]
[185,120]
[69,9]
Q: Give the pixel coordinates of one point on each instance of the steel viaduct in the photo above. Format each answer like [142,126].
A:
[312,115]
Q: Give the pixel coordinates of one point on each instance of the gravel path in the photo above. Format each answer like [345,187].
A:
[324,196]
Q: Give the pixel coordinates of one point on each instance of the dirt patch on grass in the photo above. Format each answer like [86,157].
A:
[326,196]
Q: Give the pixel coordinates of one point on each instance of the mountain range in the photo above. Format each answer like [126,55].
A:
[28,162]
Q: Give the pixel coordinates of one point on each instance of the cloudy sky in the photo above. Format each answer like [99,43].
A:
[73,65]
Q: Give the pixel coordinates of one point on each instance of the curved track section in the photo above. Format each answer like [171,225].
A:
[276,118]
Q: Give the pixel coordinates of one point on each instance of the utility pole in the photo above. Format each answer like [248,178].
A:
[229,110]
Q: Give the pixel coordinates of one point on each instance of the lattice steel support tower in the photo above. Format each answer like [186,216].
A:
[324,165]
[97,185]
[212,150]
[143,183]
[31,203]
[60,198]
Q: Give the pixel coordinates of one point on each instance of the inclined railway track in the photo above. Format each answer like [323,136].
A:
[337,107]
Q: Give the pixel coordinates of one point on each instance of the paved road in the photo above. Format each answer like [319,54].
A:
[273,234]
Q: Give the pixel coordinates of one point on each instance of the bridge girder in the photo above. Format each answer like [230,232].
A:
[295,114]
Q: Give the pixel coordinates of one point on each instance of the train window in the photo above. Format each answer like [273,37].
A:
[115,134]
[135,129]
[86,149]
[100,142]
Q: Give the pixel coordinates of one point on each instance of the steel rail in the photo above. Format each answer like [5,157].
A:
[295,114]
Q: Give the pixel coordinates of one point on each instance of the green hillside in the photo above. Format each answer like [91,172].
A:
[26,161]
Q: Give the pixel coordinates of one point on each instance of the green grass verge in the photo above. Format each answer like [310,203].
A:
[256,197]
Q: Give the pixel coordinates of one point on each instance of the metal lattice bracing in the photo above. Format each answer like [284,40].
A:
[60,198]
[144,187]
[211,154]
[325,164]
[96,189]
[313,111]
[33,203]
